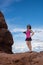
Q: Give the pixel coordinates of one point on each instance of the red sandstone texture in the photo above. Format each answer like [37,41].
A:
[6,39]
[27,58]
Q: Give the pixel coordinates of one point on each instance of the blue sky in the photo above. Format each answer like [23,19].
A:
[19,13]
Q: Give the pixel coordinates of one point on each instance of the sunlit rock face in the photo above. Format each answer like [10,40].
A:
[26,58]
[6,39]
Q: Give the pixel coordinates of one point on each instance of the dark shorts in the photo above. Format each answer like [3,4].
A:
[28,39]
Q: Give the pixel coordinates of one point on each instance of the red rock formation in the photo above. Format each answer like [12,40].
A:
[6,39]
[2,21]
[21,59]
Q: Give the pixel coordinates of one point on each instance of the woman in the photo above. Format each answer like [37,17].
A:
[29,33]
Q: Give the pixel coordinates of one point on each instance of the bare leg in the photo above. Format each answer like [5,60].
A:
[29,45]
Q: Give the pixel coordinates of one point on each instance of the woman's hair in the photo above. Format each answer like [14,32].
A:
[29,26]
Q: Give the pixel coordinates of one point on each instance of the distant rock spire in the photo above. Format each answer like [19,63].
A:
[1,14]
[2,21]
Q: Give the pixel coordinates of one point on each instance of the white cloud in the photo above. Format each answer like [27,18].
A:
[38,36]
[22,47]
[19,35]
[22,29]
[36,46]
[13,19]
[37,42]
[18,30]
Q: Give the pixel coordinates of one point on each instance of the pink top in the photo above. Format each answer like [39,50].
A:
[28,34]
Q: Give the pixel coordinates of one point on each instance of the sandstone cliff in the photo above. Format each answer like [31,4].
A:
[6,39]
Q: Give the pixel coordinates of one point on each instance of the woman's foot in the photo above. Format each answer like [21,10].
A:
[30,51]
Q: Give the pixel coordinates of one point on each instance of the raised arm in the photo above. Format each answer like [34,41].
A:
[24,32]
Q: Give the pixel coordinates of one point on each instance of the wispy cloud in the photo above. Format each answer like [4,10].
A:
[37,42]
[22,47]
[38,36]
[13,19]
[22,29]
[36,46]
[18,30]
[6,3]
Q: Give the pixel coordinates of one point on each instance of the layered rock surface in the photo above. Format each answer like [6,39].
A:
[21,59]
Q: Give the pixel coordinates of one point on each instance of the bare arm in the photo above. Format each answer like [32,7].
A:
[24,32]
[32,33]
